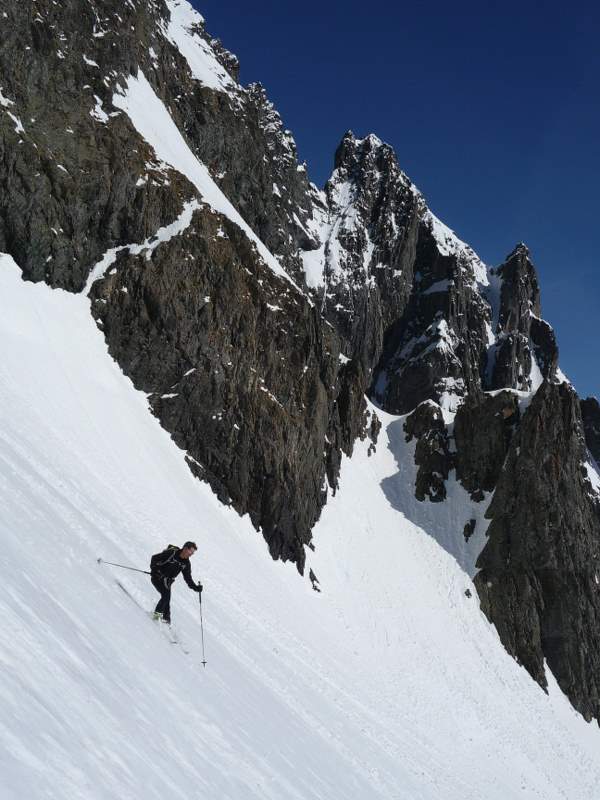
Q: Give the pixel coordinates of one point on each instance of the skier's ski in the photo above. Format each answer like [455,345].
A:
[167,629]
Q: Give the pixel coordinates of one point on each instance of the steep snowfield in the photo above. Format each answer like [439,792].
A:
[388,684]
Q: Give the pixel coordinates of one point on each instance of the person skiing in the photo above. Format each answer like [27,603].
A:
[164,568]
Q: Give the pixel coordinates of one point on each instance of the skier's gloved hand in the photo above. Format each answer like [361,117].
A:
[199,588]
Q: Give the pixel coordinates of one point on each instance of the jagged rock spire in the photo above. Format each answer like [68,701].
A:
[526,350]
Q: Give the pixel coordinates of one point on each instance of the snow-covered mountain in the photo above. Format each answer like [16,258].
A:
[343,374]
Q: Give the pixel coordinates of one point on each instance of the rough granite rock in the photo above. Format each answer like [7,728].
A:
[540,569]
[483,429]
[432,453]
[68,193]
[364,224]
[241,370]
[439,346]
[590,412]
[468,531]
[270,408]
[520,329]
[75,178]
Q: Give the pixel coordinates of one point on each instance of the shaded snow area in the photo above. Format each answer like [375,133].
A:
[154,123]
[320,228]
[387,684]
[444,522]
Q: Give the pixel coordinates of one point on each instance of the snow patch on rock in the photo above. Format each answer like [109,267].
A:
[154,123]
[183,32]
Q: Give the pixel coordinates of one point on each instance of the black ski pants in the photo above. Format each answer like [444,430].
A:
[163,587]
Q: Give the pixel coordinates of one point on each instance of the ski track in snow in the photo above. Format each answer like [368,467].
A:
[389,684]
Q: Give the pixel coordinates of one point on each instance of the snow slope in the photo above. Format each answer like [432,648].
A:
[388,684]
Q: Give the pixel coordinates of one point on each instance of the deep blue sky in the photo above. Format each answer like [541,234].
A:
[492,108]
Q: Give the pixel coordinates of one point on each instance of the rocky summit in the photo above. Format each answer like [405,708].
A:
[259,313]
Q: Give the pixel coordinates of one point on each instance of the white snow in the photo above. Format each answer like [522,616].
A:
[561,377]
[4,101]
[98,112]
[18,124]
[164,234]
[313,264]
[373,140]
[154,123]
[329,261]
[201,59]
[593,477]
[535,376]
[389,684]
[452,394]
[444,522]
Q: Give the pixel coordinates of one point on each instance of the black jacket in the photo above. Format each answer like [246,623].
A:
[169,564]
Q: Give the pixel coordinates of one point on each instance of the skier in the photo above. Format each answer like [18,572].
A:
[164,568]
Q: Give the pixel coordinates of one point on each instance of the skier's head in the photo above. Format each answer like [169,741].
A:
[188,549]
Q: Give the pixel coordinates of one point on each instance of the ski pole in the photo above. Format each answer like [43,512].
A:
[122,566]
[202,630]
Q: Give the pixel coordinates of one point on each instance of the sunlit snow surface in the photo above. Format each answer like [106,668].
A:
[197,52]
[388,684]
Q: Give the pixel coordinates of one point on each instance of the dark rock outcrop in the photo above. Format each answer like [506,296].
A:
[77,180]
[520,329]
[540,569]
[590,412]
[249,382]
[432,452]
[468,531]
[483,429]
[241,370]
[68,194]
[365,223]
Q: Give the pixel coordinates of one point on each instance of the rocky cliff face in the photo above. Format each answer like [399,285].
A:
[590,412]
[256,311]
[540,570]
[240,369]
[239,364]
[525,350]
